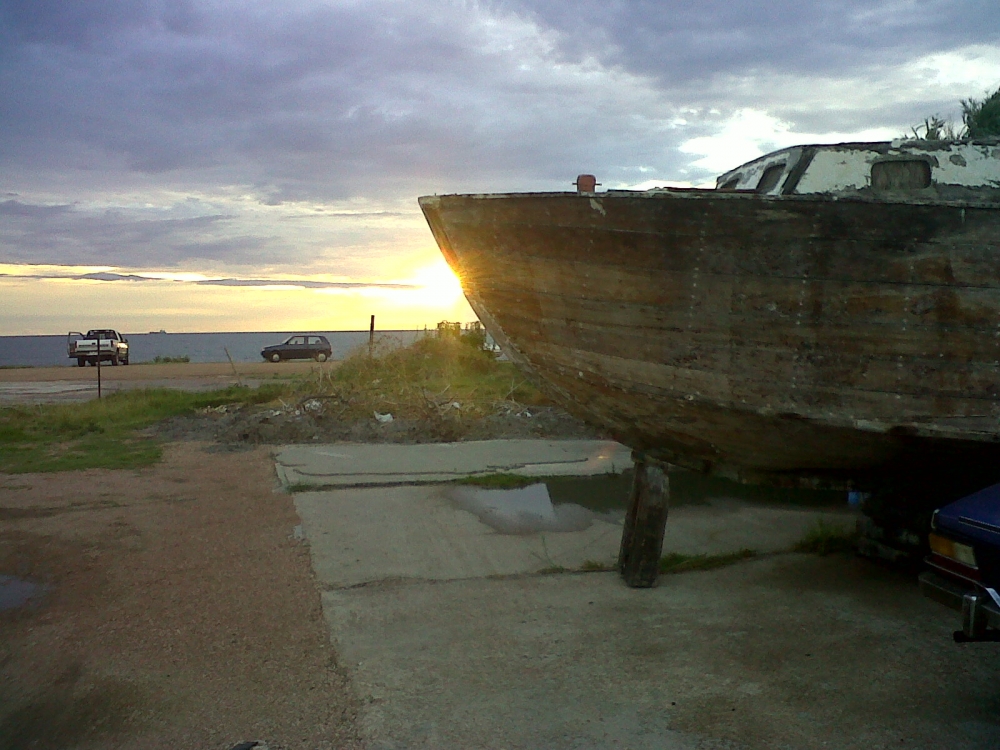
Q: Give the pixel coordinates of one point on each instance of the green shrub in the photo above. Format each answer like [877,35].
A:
[982,116]
[160,360]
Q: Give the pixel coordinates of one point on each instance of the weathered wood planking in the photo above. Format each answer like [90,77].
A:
[741,333]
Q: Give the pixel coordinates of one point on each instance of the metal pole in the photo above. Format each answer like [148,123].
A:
[371,337]
[98,366]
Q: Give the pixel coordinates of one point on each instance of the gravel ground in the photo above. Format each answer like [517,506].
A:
[298,424]
[179,610]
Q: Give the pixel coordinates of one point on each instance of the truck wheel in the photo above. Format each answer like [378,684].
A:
[321,357]
[114,360]
[81,362]
[125,361]
[275,357]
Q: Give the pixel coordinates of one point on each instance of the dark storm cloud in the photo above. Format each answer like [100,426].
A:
[64,235]
[283,95]
[17,208]
[166,238]
[301,101]
[380,101]
[681,41]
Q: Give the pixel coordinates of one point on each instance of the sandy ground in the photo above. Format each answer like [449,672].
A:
[181,611]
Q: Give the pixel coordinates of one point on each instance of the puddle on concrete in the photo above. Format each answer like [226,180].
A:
[605,495]
[574,503]
[16,592]
[692,488]
[525,510]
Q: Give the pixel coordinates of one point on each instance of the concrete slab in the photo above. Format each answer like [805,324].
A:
[354,464]
[789,652]
[417,532]
[429,532]
[456,634]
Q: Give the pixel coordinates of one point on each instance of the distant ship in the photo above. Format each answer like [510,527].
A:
[824,311]
[155,332]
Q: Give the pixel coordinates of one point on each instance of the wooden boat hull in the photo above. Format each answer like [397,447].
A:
[780,337]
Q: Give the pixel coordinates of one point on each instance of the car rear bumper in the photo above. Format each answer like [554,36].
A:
[979,612]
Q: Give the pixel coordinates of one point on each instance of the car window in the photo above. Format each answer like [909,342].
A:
[296,341]
[314,340]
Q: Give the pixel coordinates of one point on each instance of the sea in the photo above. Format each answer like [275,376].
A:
[49,351]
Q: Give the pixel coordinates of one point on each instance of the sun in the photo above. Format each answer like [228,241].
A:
[438,282]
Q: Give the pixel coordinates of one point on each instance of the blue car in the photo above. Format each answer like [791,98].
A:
[964,563]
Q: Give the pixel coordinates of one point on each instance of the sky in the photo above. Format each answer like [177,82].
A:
[255,165]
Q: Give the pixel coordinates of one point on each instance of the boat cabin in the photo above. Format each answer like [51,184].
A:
[903,169]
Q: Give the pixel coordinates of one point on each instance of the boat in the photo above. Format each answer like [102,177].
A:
[824,312]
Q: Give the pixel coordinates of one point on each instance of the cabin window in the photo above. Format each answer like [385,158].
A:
[730,184]
[908,174]
[770,178]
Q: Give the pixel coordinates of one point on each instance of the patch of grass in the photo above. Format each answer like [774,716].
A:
[102,433]
[826,538]
[594,566]
[552,570]
[675,562]
[301,487]
[445,381]
[498,481]
[160,360]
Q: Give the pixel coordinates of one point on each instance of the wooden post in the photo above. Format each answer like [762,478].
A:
[371,337]
[239,380]
[645,523]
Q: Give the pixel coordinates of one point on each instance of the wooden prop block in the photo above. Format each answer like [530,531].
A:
[645,523]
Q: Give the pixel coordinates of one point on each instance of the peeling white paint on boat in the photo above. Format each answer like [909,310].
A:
[846,168]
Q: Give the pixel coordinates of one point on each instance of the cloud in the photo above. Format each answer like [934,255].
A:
[277,283]
[17,208]
[256,139]
[216,236]
[303,284]
[678,41]
[749,133]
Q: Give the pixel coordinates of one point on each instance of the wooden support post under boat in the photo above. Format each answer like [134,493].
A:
[645,523]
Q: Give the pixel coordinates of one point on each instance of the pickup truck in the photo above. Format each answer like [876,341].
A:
[964,564]
[104,344]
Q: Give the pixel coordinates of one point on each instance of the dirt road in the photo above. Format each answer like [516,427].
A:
[180,611]
[173,371]
[61,384]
